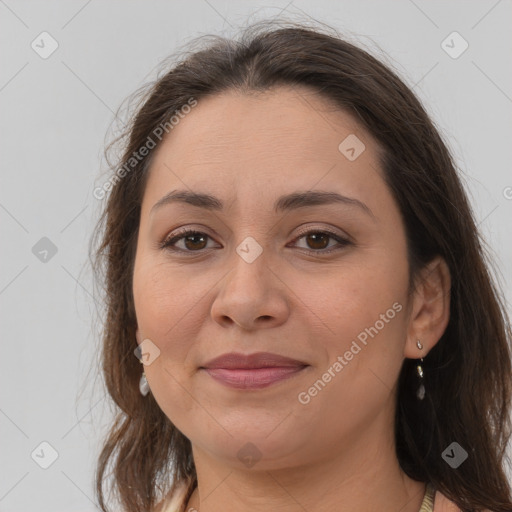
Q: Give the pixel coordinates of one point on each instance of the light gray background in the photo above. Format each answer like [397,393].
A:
[55,114]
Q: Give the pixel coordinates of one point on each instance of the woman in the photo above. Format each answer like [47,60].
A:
[290,254]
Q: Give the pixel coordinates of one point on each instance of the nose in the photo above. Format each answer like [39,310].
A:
[251,295]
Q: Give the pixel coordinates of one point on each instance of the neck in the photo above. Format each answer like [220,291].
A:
[362,475]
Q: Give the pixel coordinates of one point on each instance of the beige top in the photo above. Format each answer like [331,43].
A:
[432,502]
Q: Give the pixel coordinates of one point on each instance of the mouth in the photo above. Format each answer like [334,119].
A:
[254,371]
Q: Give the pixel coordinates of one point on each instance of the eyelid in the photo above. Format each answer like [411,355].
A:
[335,232]
[181,233]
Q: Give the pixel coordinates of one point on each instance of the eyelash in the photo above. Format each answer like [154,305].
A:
[167,244]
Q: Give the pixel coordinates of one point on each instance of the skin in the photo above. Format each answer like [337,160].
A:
[336,452]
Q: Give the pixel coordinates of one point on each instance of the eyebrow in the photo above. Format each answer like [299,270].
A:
[284,203]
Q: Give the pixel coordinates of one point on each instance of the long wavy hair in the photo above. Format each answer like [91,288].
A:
[468,374]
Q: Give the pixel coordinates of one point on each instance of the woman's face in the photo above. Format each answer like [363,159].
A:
[322,282]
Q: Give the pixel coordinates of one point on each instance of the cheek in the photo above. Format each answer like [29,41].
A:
[162,303]
[165,314]
[350,298]
[364,346]
[363,308]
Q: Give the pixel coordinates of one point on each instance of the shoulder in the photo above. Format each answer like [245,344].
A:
[443,504]
[174,501]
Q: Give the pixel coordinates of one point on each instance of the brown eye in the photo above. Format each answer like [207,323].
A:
[318,241]
[193,241]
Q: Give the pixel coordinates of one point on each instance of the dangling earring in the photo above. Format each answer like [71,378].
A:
[420,393]
[143,384]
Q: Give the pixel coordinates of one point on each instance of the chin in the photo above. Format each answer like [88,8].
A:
[254,449]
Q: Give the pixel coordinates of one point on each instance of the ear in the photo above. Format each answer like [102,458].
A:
[430,311]
[137,336]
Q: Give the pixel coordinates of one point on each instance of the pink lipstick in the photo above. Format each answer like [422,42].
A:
[252,371]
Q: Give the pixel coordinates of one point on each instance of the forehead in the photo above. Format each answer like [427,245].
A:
[234,142]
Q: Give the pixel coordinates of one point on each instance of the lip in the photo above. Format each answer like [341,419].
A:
[252,371]
[255,378]
[237,361]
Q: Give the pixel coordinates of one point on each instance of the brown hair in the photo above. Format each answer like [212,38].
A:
[468,374]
